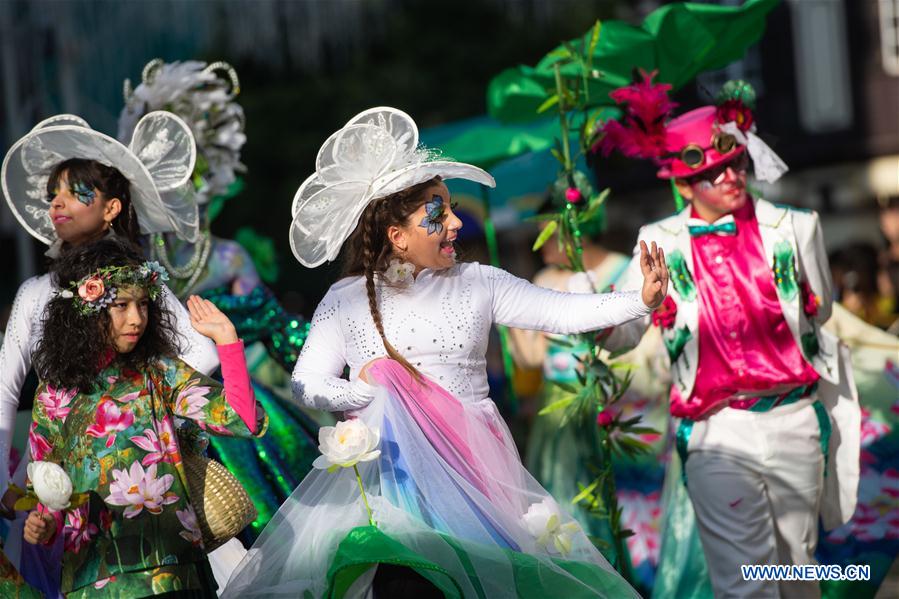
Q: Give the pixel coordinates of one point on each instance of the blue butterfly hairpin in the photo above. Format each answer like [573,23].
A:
[433,220]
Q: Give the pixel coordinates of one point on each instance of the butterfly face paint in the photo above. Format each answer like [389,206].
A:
[433,220]
[83,193]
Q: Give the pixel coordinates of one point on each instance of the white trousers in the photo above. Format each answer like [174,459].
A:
[755,480]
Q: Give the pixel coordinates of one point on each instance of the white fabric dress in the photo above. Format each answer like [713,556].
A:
[448,467]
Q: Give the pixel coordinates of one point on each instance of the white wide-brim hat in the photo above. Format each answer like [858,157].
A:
[159,159]
[374,155]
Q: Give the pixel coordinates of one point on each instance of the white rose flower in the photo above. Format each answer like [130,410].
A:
[544,522]
[399,273]
[347,444]
[52,485]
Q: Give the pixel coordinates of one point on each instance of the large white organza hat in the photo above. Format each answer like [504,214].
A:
[160,158]
[203,95]
[374,155]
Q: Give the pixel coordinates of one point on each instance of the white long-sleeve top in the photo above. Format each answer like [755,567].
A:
[440,323]
[25,329]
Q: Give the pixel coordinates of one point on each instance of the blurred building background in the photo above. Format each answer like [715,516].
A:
[826,71]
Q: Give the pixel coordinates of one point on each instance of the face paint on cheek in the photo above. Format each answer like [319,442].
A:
[433,220]
[83,193]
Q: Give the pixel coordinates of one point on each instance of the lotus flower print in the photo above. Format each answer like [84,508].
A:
[38,445]
[138,489]
[56,401]
[78,531]
[188,519]
[160,444]
[345,445]
[191,401]
[110,420]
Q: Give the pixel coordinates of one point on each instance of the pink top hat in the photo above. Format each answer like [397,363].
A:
[694,137]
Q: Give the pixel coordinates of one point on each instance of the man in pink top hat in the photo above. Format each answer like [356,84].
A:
[768,416]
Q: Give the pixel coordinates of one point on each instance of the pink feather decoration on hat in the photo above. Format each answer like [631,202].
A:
[640,133]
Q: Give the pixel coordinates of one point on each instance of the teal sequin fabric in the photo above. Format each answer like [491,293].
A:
[259,317]
[272,466]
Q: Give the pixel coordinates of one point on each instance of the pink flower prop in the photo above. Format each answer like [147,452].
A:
[56,401]
[92,289]
[103,582]
[641,131]
[665,315]
[604,418]
[191,401]
[110,420]
[191,532]
[573,195]
[160,444]
[37,444]
[78,531]
[138,490]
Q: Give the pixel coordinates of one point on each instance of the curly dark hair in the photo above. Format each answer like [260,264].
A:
[109,180]
[72,346]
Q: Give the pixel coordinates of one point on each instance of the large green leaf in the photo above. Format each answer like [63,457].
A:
[679,40]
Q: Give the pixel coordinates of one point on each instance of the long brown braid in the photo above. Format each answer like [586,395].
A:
[368,250]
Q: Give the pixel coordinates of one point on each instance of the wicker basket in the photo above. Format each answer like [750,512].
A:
[222,505]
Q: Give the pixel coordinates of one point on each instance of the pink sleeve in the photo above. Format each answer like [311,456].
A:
[238,391]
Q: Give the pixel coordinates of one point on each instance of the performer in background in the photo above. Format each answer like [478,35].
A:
[769,418]
[449,497]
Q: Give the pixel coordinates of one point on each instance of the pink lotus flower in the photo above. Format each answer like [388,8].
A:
[110,420]
[191,532]
[103,582]
[191,401]
[138,490]
[56,401]
[128,397]
[78,531]
[37,444]
[160,444]
[92,289]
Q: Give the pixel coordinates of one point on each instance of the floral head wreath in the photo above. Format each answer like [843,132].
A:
[97,290]
[374,155]
[203,95]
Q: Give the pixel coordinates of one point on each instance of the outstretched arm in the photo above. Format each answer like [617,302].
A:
[520,304]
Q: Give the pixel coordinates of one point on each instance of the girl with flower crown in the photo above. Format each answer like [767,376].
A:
[67,184]
[452,507]
[111,388]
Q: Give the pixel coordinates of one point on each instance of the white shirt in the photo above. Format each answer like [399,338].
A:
[440,323]
[25,329]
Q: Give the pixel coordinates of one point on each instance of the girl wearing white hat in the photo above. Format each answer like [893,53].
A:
[447,506]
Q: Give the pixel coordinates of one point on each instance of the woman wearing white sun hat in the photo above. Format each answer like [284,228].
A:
[451,504]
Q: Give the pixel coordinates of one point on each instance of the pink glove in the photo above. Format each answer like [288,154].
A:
[238,391]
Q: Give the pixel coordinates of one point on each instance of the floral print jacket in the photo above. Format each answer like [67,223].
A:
[138,534]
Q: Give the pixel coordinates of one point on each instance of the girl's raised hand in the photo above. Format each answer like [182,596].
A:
[210,321]
[655,275]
